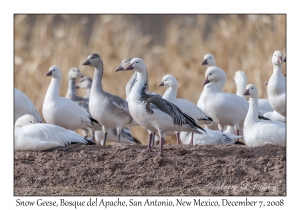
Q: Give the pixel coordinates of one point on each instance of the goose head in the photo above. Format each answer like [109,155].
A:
[209,60]
[93,60]
[54,72]
[251,91]
[213,75]
[136,64]
[26,119]
[74,73]
[84,83]
[124,64]
[168,80]
[277,58]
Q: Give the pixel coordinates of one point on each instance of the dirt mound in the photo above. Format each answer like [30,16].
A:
[129,170]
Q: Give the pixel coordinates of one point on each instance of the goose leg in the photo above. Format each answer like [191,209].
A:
[192,139]
[150,140]
[161,146]
[104,141]
[119,134]
[177,137]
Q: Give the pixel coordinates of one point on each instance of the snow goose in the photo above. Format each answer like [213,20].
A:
[63,111]
[30,135]
[23,105]
[153,112]
[209,60]
[276,85]
[256,132]
[126,135]
[224,108]
[110,110]
[185,106]
[73,74]
[210,137]
[240,79]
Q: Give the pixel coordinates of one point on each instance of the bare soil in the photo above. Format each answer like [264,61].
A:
[130,170]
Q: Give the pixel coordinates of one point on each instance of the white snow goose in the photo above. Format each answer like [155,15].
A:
[185,106]
[224,108]
[23,105]
[62,111]
[110,110]
[33,136]
[153,112]
[276,85]
[257,132]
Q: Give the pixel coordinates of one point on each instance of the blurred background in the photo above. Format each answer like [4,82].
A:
[169,44]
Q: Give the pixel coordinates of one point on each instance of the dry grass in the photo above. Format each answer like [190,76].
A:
[169,44]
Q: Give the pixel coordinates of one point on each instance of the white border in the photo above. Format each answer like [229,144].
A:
[8,8]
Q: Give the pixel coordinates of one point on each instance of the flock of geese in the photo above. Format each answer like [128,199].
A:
[224,117]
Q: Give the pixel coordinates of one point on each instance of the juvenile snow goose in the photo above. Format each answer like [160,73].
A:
[240,79]
[62,111]
[110,110]
[30,135]
[185,106]
[23,105]
[256,132]
[153,112]
[276,85]
[126,135]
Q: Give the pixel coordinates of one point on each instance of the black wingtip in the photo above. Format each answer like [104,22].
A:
[262,118]
[201,128]
[90,142]
[93,120]
[239,142]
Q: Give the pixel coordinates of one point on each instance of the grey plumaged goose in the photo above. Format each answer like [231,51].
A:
[85,83]
[73,74]
[126,136]
[110,110]
[153,112]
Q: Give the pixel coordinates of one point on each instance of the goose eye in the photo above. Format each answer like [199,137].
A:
[209,57]
[252,88]
[30,121]
[53,70]
[209,73]
[137,62]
